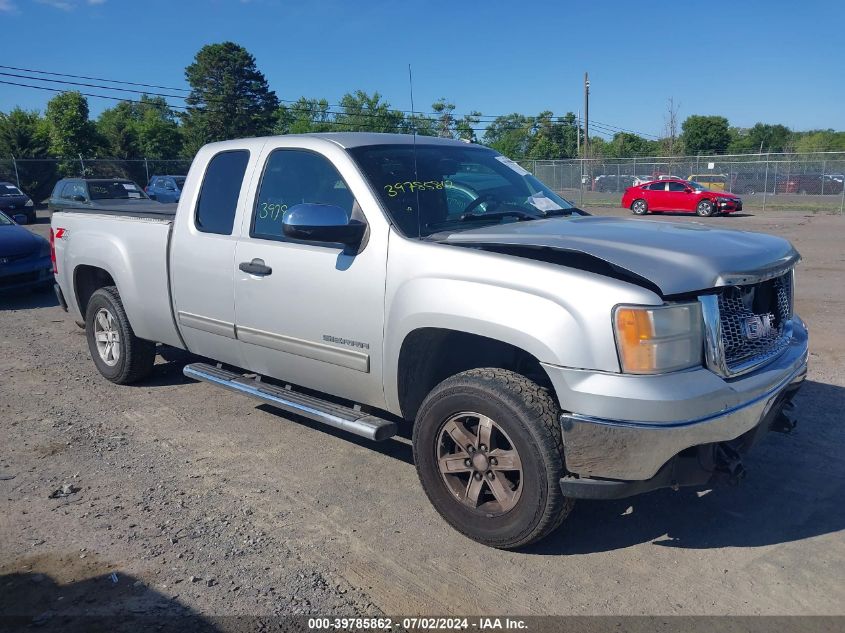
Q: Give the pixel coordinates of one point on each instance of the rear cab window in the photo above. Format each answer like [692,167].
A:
[220,190]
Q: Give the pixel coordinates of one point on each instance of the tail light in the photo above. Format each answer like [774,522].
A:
[53,251]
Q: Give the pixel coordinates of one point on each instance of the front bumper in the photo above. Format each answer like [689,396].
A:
[729,206]
[629,427]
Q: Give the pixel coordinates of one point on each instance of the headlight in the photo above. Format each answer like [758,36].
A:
[653,340]
[29,203]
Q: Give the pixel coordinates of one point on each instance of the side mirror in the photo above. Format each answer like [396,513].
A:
[78,198]
[322,223]
[688,189]
[19,218]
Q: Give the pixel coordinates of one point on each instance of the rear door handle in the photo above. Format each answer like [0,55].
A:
[256,267]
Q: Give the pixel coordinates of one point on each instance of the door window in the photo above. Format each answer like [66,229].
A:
[74,189]
[294,177]
[221,186]
[657,186]
[677,186]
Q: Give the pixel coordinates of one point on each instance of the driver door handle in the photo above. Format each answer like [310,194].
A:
[256,267]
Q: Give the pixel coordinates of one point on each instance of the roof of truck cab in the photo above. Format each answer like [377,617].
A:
[348,140]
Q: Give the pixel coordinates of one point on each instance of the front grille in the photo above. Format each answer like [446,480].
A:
[754,322]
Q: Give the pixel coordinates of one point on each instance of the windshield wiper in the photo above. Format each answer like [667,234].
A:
[498,215]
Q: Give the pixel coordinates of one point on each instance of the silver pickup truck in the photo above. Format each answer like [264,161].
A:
[386,284]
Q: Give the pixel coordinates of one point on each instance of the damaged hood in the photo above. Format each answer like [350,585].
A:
[676,257]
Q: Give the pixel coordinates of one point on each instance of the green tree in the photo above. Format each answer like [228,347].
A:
[705,134]
[24,135]
[626,144]
[303,116]
[361,112]
[159,135]
[71,134]
[446,125]
[137,129]
[763,137]
[553,138]
[117,131]
[821,141]
[510,135]
[229,98]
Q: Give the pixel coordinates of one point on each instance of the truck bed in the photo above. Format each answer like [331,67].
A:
[131,245]
[127,208]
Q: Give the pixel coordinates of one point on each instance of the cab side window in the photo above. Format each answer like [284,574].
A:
[221,186]
[294,177]
[74,189]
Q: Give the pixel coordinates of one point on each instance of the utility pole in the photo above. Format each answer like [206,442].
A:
[586,115]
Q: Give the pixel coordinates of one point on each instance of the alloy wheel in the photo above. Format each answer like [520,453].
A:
[479,464]
[107,337]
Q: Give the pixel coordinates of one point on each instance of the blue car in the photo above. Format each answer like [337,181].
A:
[24,257]
[165,188]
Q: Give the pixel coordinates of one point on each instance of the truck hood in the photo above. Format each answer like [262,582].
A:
[675,257]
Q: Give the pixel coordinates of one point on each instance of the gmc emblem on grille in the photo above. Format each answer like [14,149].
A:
[757,327]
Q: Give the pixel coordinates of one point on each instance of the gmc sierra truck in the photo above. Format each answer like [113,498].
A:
[388,283]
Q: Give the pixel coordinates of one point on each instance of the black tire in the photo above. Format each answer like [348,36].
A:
[705,208]
[639,207]
[528,415]
[135,356]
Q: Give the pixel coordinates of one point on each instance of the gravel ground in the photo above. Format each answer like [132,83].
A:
[177,498]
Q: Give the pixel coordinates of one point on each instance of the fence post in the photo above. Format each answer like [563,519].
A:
[766,183]
[824,171]
[17,178]
[147,169]
[82,163]
[581,185]
[842,201]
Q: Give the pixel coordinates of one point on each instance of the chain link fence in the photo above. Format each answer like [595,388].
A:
[812,180]
[36,176]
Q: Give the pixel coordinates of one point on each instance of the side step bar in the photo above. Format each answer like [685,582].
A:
[338,416]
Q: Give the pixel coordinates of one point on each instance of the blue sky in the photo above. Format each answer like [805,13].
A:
[775,61]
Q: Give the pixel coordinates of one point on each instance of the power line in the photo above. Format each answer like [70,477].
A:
[112,81]
[486,119]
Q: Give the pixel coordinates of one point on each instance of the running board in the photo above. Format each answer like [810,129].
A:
[338,416]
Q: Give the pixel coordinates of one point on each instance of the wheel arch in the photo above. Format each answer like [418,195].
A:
[429,355]
[87,279]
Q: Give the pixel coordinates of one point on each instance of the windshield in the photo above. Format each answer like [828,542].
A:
[439,188]
[9,190]
[114,190]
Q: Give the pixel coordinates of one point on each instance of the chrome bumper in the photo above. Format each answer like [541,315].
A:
[636,449]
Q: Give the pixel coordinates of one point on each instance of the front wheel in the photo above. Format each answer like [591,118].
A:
[489,455]
[704,208]
[639,207]
[119,355]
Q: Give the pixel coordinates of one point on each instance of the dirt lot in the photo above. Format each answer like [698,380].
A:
[202,502]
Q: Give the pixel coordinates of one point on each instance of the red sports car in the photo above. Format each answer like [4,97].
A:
[678,195]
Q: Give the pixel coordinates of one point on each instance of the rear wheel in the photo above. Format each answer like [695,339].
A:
[489,455]
[119,355]
[639,207]
[705,208]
